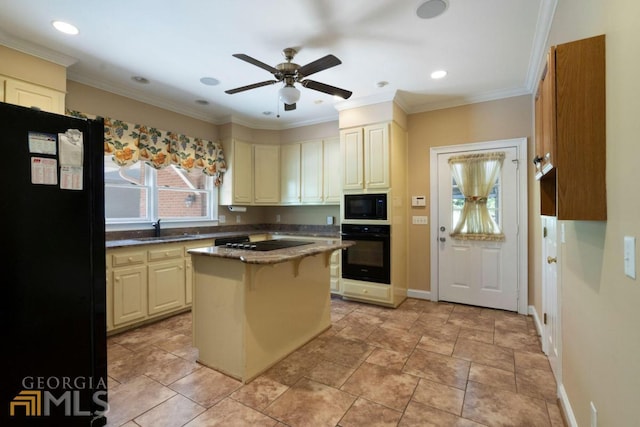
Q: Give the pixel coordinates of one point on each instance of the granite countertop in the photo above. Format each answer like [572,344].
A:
[195,237]
[274,256]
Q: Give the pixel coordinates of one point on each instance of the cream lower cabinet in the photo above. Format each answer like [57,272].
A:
[129,295]
[336,274]
[147,282]
[166,286]
[27,94]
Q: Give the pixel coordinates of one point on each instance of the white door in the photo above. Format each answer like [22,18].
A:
[551,318]
[482,273]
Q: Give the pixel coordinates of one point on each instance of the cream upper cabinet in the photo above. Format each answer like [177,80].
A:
[290,174]
[365,157]
[376,156]
[238,180]
[352,159]
[26,94]
[332,191]
[266,174]
[311,154]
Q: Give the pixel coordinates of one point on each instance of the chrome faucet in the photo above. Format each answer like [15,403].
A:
[156,225]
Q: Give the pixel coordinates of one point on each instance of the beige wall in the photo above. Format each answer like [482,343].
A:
[90,100]
[487,121]
[600,315]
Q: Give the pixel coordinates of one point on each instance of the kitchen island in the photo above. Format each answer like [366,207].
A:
[253,308]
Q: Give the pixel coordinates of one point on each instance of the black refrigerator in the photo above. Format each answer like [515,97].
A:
[52,279]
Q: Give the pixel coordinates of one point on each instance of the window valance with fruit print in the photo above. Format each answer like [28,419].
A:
[129,143]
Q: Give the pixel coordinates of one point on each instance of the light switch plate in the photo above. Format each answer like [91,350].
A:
[630,256]
[420,220]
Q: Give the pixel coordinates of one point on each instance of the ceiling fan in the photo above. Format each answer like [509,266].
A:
[290,73]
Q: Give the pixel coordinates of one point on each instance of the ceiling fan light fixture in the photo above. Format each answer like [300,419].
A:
[289,94]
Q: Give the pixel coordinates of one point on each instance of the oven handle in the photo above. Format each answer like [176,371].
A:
[364,235]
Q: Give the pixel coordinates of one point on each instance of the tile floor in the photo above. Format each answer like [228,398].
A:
[422,364]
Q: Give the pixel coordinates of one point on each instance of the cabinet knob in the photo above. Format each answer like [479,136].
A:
[117,278]
[551,260]
[130,258]
[364,291]
[166,254]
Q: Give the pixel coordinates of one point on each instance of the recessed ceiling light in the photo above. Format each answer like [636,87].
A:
[438,74]
[209,81]
[319,101]
[140,79]
[432,8]
[267,113]
[65,27]
[202,102]
[382,83]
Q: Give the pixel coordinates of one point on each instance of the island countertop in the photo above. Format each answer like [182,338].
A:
[275,256]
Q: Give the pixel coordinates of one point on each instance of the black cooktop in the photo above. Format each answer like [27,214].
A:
[267,245]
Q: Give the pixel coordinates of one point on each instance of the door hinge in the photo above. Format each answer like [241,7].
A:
[517,163]
[544,318]
[544,231]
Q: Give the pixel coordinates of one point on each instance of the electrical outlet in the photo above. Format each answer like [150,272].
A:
[278,218]
[420,219]
[222,219]
[630,256]
[238,219]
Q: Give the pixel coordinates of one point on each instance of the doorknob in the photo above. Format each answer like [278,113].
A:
[551,260]
[442,239]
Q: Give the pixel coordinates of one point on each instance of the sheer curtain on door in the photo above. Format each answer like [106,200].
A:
[475,176]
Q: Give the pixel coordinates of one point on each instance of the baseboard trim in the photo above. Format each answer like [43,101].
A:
[570,418]
[416,293]
[536,320]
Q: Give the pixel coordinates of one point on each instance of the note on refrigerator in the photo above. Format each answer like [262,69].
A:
[70,148]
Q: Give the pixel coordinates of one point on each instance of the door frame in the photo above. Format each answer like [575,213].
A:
[521,149]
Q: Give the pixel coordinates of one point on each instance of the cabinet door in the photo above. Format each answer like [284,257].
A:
[311,155]
[266,173]
[376,156]
[188,281]
[129,294]
[331,171]
[242,172]
[31,95]
[166,286]
[549,112]
[290,174]
[352,158]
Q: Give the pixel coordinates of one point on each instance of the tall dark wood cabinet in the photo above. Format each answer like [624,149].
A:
[570,127]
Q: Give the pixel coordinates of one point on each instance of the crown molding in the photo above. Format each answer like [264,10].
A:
[540,42]
[36,50]
[485,97]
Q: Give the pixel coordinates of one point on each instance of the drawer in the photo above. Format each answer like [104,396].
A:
[166,253]
[127,258]
[367,291]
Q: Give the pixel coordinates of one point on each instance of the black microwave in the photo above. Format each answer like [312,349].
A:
[365,206]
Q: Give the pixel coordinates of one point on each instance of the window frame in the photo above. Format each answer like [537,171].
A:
[153,189]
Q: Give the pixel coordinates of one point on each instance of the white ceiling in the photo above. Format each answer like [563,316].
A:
[490,48]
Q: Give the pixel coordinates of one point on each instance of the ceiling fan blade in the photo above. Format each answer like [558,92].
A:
[255,62]
[289,107]
[319,65]
[253,86]
[331,90]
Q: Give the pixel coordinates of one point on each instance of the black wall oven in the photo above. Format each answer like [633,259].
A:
[369,259]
